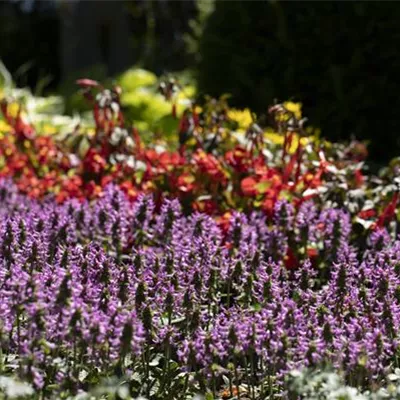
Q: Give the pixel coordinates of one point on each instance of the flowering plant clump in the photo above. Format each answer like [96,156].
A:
[175,305]
[223,160]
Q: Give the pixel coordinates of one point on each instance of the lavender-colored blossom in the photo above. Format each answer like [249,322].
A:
[109,283]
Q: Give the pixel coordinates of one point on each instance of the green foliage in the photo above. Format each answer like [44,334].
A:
[143,105]
[135,78]
[5,76]
[342,53]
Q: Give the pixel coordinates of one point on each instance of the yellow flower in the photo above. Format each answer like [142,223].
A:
[4,127]
[242,117]
[277,139]
[13,109]
[49,129]
[294,108]
[274,137]
[224,134]
[90,132]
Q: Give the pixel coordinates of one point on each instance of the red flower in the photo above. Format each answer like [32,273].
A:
[151,156]
[290,260]
[359,177]
[388,213]
[239,159]
[105,180]
[93,190]
[312,252]
[224,222]
[128,188]
[205,206]
[268,206]
[168,161]
[366,214]
[248,186]
[209,165]
[21,129]
[185,182]
[70,188]
[94,162]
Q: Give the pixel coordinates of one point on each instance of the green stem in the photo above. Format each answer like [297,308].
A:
[271,391]
[185,387]
[74,358]
[253,374]
[146,371]
[236,378]
[249,384]
[229,293]
[165,368]
[214,390]
[230,385]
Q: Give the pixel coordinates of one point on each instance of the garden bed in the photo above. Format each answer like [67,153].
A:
[217,264]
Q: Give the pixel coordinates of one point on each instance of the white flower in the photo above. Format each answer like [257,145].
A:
[130,162]
[346,393]
[129,142]
[140,166]
[74,160]
[14,388]
[117,135]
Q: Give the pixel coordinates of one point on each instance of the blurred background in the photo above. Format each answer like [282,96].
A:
[340,59]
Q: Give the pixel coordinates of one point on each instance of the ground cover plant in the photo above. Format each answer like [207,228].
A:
[215,264]
[176,305]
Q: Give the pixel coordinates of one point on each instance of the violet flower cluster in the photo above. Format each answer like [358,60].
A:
[106,286]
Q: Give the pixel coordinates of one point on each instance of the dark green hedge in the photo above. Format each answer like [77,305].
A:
[341,59]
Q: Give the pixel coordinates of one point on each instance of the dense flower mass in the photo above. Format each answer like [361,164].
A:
[220,262]
[222,161]
[94,289]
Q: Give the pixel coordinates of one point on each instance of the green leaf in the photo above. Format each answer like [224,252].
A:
[262,187]
[209,396]
[135,78]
